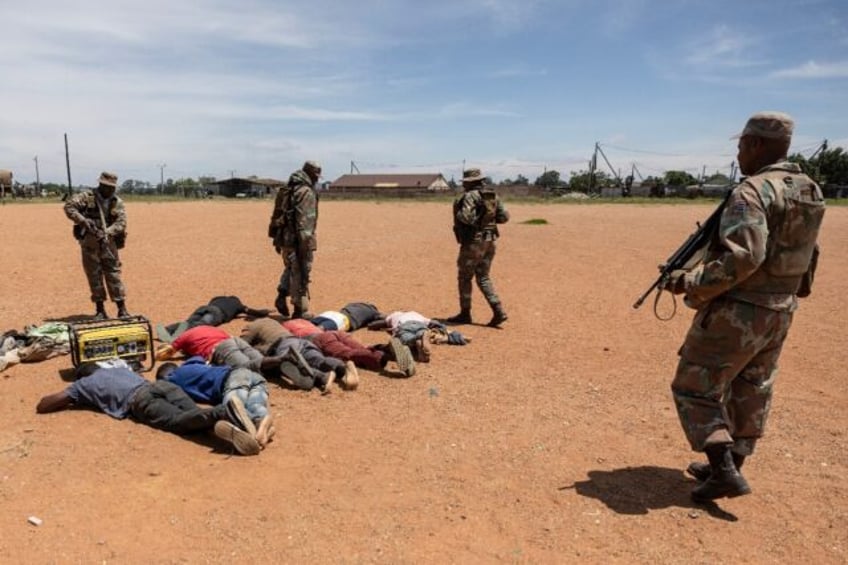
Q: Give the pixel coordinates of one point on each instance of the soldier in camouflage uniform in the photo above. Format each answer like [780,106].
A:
[476,215]
[100,226]
[763,256]
[292,229]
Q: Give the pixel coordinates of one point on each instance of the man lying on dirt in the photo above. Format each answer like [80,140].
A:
[351,317]
[219,310]
[342,345]
[120,392]
[304,366]
[216,384]
[418,331]
[218,348]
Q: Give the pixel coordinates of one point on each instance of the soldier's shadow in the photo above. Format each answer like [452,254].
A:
[636,490]
[72,318]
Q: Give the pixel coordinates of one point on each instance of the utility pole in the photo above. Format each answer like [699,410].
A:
[162,178]
[593,164]
[68,166]
[353,167]
[232,174]
[37,177]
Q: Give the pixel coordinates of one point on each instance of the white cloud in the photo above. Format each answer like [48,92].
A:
[814,70]
[723,47]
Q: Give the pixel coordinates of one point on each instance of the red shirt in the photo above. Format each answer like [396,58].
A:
[200,340]
[301,328]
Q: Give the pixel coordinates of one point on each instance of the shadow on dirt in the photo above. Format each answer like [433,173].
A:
[636,490]
[72,319]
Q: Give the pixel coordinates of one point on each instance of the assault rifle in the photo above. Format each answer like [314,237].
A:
[686,257]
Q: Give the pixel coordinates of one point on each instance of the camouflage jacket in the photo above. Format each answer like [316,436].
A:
[294,219]
[476,214]
[765,241]
[83,206]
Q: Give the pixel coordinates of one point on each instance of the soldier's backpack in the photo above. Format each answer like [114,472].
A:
[487,210]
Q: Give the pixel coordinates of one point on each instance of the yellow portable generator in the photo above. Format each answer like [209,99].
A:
[130,339]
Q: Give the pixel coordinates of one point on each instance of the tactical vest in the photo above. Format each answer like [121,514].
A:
[794,220]
[91,211]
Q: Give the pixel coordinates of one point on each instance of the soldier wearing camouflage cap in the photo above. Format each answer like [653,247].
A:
[100,226]
[476,215]
[763,257]
[292,230]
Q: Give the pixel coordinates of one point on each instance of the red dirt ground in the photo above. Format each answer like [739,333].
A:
[553,440]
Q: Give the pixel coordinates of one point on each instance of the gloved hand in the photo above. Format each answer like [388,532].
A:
[456,338]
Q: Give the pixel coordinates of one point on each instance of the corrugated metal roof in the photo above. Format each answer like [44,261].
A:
[386,181]
[264,182]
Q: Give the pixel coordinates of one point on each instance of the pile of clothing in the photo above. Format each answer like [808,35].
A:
[34,344]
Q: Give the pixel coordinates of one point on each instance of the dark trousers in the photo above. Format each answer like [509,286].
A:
[165,406]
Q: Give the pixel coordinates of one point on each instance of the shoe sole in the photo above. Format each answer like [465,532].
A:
[263,432]
[331,378]
[243,442]
[351,378]
[403,357]
[239,416]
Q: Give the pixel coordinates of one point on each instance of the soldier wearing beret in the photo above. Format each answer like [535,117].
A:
[476,215]
[100,226]
[763,257]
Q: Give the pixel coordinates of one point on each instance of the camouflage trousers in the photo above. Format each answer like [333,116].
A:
[101,263]
[475,261]
[299,270]
[728,364]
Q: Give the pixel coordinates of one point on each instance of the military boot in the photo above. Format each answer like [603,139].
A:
[122,309]
[464,317]
[498,316]
[724,481]
[701,471]
[281,305]
[100,313]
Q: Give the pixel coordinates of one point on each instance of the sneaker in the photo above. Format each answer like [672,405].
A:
[237,414]
[243,442]
[350,380]
[263,430]
[403,357]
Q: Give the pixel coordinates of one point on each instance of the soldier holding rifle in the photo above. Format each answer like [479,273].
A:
[100,226]
[762,256]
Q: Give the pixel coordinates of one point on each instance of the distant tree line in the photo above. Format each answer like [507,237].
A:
[828,166]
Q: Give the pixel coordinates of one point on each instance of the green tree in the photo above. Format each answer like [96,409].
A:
[582,182]
[522,180]
[548,179]
[717,178]
[186,186]
[829,166]
[678,178]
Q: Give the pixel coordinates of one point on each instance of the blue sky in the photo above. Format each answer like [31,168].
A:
[221,87]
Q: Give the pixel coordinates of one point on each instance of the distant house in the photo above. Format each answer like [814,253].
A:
[245,188]
[390,184]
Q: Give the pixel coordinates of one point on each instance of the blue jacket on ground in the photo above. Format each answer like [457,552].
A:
[202,382]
